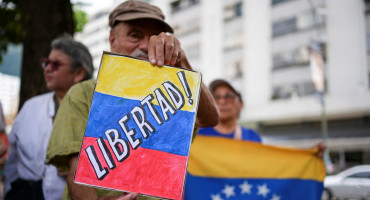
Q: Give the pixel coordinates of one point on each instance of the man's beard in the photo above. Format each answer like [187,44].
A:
[140,54]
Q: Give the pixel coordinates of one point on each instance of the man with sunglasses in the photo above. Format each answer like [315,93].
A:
[229,102]
[26,174]
[138,29]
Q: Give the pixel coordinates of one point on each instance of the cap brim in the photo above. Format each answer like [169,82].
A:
[219,82]
[135,16]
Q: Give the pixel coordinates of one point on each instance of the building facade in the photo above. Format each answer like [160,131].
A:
[265,47]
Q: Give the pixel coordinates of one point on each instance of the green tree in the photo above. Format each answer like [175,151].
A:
[10,24]
[35,23]
[80,18]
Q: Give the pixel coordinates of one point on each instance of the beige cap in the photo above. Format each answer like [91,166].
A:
[132,10]
[219,82]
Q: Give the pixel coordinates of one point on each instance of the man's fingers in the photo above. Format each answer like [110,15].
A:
[152,50]
[164,50]
[131,196]
[159,50]
[176,54]
[156,50]
[169,49]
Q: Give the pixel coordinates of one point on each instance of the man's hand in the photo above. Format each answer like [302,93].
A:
[2,155]
[165,49]
[321,149]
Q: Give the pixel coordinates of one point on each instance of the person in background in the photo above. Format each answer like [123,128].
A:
[3,148]
[3,151]
[229,102]
[138,29]
[3,140]
[26,174]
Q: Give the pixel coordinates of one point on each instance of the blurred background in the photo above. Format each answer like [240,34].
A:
[302,66]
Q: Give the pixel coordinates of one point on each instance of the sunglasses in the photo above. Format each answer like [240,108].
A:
[55,64]
[227,97]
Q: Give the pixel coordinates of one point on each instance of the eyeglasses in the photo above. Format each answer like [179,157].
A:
[228,97]
[55,64]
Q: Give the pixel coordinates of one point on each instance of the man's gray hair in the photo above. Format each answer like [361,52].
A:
[77,52]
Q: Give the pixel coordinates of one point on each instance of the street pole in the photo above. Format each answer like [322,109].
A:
[318,79]
[324,132]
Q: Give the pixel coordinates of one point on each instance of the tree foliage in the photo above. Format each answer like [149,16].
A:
[34,24]
[10,24]
[79,18]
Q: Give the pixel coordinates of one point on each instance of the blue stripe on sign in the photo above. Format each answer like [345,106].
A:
[172,136]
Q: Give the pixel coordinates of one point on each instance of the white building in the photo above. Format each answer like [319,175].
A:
[9,94]
[10,83]
[95,36]
[262,46]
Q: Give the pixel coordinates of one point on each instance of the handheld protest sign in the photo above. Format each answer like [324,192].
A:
[139,129]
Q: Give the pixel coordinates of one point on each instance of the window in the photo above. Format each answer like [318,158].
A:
[295,57]
[193,2]
[274,2]
[234,70]
[233,11]
[291,91]
[238,9]
[284,26]
[300,22]
[233,39]
[360,175]
[175,6]
[367,15]
[178,5]
[187,27]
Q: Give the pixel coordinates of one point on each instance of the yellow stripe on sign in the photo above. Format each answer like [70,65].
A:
[228,158]
[135,79]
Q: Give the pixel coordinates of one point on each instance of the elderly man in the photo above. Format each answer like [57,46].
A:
[137,29]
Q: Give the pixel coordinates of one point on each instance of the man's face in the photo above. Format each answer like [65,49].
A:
[228,103]
[132,38]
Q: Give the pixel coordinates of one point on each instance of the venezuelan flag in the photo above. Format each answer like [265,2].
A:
[156,158]
[221,168]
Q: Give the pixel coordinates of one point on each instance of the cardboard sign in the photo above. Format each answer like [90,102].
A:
[140,127]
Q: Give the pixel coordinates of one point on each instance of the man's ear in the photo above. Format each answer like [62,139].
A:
[79,74]
[112,37]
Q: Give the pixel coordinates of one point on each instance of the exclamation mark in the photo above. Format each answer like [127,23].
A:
[185,85]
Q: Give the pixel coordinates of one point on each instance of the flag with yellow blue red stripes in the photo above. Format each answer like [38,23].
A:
[227,169]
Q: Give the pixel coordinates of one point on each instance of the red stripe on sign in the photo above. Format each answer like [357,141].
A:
[145,171]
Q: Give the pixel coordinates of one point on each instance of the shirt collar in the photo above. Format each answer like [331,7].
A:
[51,105]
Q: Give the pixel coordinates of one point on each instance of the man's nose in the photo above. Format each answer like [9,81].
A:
[144,44]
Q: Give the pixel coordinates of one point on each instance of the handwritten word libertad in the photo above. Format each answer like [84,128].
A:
[121,147]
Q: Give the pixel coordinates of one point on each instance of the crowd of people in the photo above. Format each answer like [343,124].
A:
[46,137]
